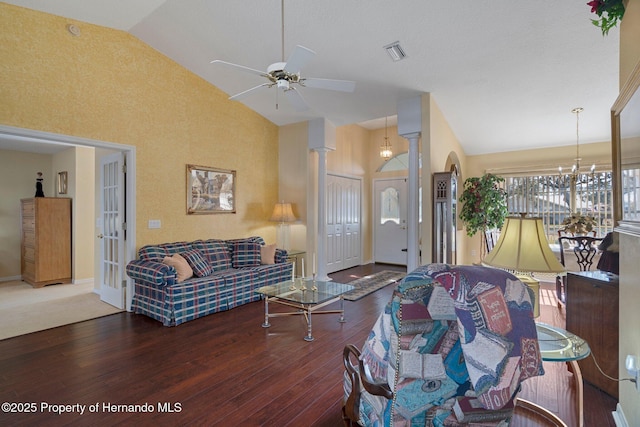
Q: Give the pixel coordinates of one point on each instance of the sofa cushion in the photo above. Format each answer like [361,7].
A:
[199,265]
[268,254]
[245,254]
[158,252]
[181,265]
[216,252]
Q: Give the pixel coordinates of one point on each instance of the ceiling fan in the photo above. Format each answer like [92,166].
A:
[286,76]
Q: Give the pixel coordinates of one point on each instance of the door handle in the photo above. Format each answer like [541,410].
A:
[100,236]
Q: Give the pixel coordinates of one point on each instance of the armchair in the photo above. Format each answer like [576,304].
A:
[451,338]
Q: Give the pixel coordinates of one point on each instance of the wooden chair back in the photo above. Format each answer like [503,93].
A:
[584,248]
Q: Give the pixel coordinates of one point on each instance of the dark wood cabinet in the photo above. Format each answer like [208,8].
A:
[592,313]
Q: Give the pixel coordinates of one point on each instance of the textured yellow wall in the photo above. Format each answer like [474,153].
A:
[293,187]
[444,147]
[107,85]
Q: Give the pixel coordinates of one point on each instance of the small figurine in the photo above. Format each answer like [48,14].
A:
[39,192]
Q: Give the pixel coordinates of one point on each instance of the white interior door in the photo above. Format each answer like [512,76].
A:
[344,241]
[352,256]
[390,221]
[112,229]
[335,224]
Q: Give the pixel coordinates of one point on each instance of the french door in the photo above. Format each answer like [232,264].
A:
[112,229]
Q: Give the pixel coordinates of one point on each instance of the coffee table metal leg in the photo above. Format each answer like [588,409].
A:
[341,320]
[266,313]
[309,337]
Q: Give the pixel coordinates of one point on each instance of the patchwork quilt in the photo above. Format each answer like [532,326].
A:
[449,332]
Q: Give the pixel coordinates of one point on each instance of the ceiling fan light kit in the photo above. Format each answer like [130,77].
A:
[285,75]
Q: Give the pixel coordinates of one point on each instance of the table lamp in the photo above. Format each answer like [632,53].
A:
[523,249]
[283,214]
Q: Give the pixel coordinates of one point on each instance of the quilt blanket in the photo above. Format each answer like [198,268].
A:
[450,331]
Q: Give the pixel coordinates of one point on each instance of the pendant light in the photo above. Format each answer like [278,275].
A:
[385,147]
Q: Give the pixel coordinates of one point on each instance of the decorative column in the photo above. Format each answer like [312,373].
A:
[413,232]
[410,127]
[322,138]
[322,215]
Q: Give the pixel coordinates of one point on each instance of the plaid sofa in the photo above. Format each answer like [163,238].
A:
[233,273]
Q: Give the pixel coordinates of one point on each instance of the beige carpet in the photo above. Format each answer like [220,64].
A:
[24,309]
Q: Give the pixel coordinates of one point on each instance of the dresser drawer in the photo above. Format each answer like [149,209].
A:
[28,224]
[29,254]
[29,239]
[28,208]
[28,270]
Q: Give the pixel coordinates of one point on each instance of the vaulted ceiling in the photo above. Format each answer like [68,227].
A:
[505,73]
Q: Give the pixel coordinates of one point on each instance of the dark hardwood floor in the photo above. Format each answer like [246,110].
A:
[223,369]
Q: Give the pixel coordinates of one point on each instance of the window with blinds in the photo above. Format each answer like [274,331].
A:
[552,197]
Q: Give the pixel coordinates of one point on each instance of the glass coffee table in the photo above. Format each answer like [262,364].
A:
[305,295]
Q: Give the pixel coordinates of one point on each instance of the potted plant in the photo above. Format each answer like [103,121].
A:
[484,206]
[579,224]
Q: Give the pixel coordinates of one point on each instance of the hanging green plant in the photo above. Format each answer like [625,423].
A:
[610,13]
[484,205]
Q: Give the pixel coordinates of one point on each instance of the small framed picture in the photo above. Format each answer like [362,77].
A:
[62,182]
[210,190]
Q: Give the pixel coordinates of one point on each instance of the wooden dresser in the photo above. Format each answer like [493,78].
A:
[46,240]
[592,313]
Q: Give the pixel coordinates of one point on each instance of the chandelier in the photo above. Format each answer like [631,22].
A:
[385,147]
[575,169]
[574,176]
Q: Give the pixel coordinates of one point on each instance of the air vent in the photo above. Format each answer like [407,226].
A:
[395,51]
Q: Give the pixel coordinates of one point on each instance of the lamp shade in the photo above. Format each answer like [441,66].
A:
[523,247]
[282,213]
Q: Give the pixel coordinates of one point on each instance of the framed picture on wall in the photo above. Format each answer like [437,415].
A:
[62,182]
[210,190]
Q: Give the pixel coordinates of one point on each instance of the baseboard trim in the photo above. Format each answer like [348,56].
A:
[619,418]
[10,278]
[82,281]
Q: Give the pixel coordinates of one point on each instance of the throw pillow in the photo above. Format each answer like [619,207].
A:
[216,252]
[268,254]
[200,266]
[181,265]
[245,254]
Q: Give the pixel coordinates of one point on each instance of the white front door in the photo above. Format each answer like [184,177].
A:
[112,225]
[390,221]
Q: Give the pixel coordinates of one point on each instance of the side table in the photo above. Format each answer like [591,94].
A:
[558,345]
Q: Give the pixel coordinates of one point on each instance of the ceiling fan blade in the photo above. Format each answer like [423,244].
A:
[240,67]
[330,84]
[298,59]
[247,92]
[296,100]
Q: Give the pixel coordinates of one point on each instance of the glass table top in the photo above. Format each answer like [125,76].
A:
[302,291]
[558,345]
